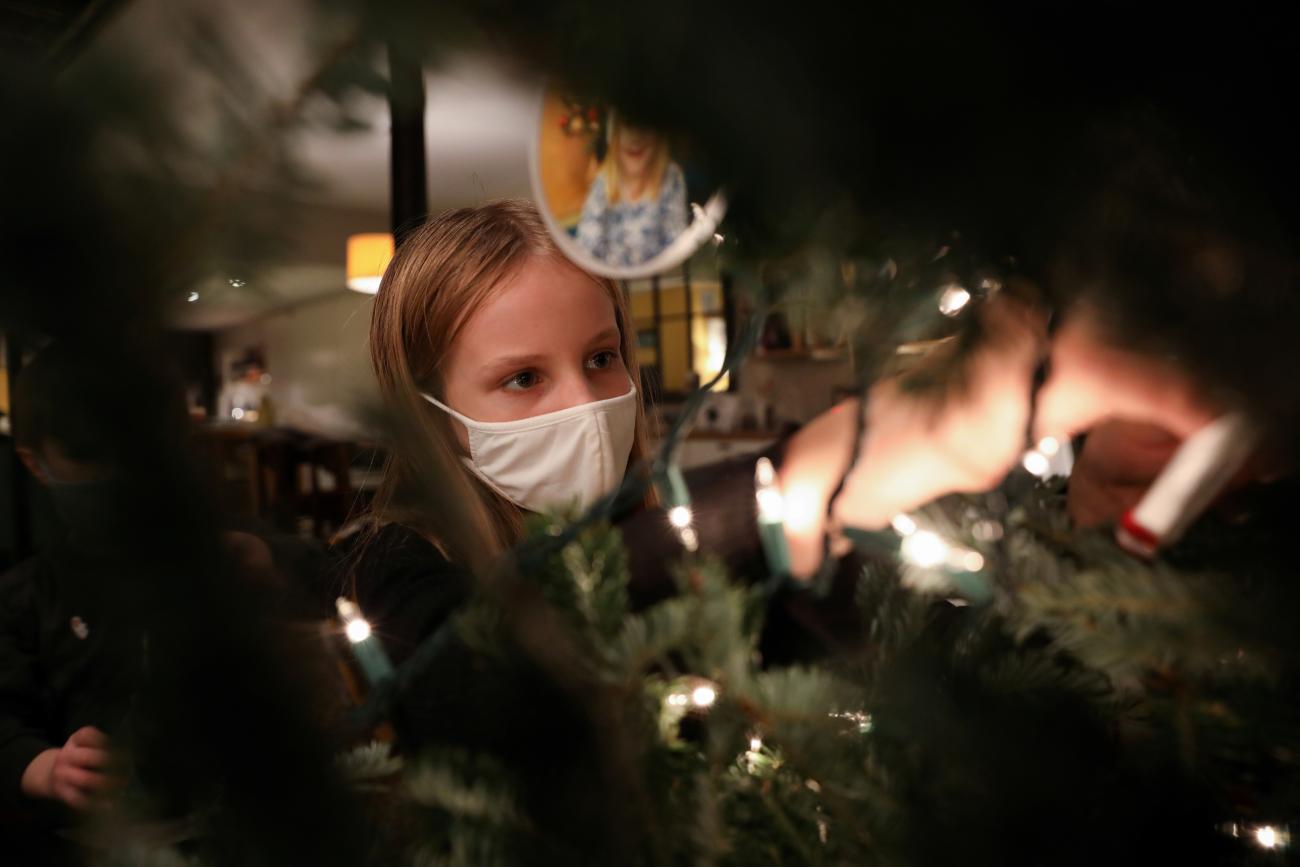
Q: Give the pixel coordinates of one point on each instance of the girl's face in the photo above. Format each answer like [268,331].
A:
[636,148]
[546,340]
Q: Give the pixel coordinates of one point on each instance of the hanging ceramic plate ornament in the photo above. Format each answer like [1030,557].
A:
[620,199]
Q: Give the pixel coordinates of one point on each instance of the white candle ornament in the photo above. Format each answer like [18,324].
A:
[1196,474]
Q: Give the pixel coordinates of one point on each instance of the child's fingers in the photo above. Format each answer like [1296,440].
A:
[1115,468]
[89,757]
[84,780]
[1092,380]
[74,797]
[89,736]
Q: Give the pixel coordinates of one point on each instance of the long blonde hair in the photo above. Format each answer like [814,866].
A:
[609,168]
[439,277]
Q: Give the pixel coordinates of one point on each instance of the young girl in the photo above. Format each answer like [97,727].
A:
[637,204]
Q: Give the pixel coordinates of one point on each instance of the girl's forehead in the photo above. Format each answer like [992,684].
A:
[544,300]
[544,281]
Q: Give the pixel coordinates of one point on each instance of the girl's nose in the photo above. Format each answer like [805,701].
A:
[576,390]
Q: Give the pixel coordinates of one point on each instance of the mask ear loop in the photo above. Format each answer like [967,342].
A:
[429,398]
[462,452]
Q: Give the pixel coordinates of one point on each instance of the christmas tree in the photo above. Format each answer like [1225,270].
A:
[1024,691]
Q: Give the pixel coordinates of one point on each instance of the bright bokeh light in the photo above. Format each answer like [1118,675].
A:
[771,505]
[953,300]
[703,696]
[1036,462]
[358,630]
[924,549]
[904,525]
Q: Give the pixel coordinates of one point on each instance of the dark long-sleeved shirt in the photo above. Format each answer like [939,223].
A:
[67,660]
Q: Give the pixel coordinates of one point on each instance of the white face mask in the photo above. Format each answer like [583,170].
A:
[579,453]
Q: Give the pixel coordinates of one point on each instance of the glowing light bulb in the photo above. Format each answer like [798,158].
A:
[369,654]
[903,524]
[924,549]
[800,508]
[192,297]
[237,413]
[972,561]
[771,503]
[703,696]
[358,631]
[680,517]
[1039,459]
[1267,836]
[1037,463]
[953,300]
[354,625]
[690,539]
[677,699]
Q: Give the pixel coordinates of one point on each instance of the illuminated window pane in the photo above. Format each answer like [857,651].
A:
[643,308]
[709,348]
[680,338]
[672,300]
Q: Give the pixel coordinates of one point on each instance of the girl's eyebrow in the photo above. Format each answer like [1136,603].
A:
[512,362]
[608,334]
[515,362]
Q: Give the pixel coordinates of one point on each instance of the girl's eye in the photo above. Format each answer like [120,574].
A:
[602,360]
[521,381]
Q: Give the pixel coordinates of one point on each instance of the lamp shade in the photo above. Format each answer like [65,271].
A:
[368,256]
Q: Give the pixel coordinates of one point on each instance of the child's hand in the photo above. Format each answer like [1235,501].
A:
[913,453]
[915,450]
[1119,461]
[1136,407]
[1093,380]
[76,773]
